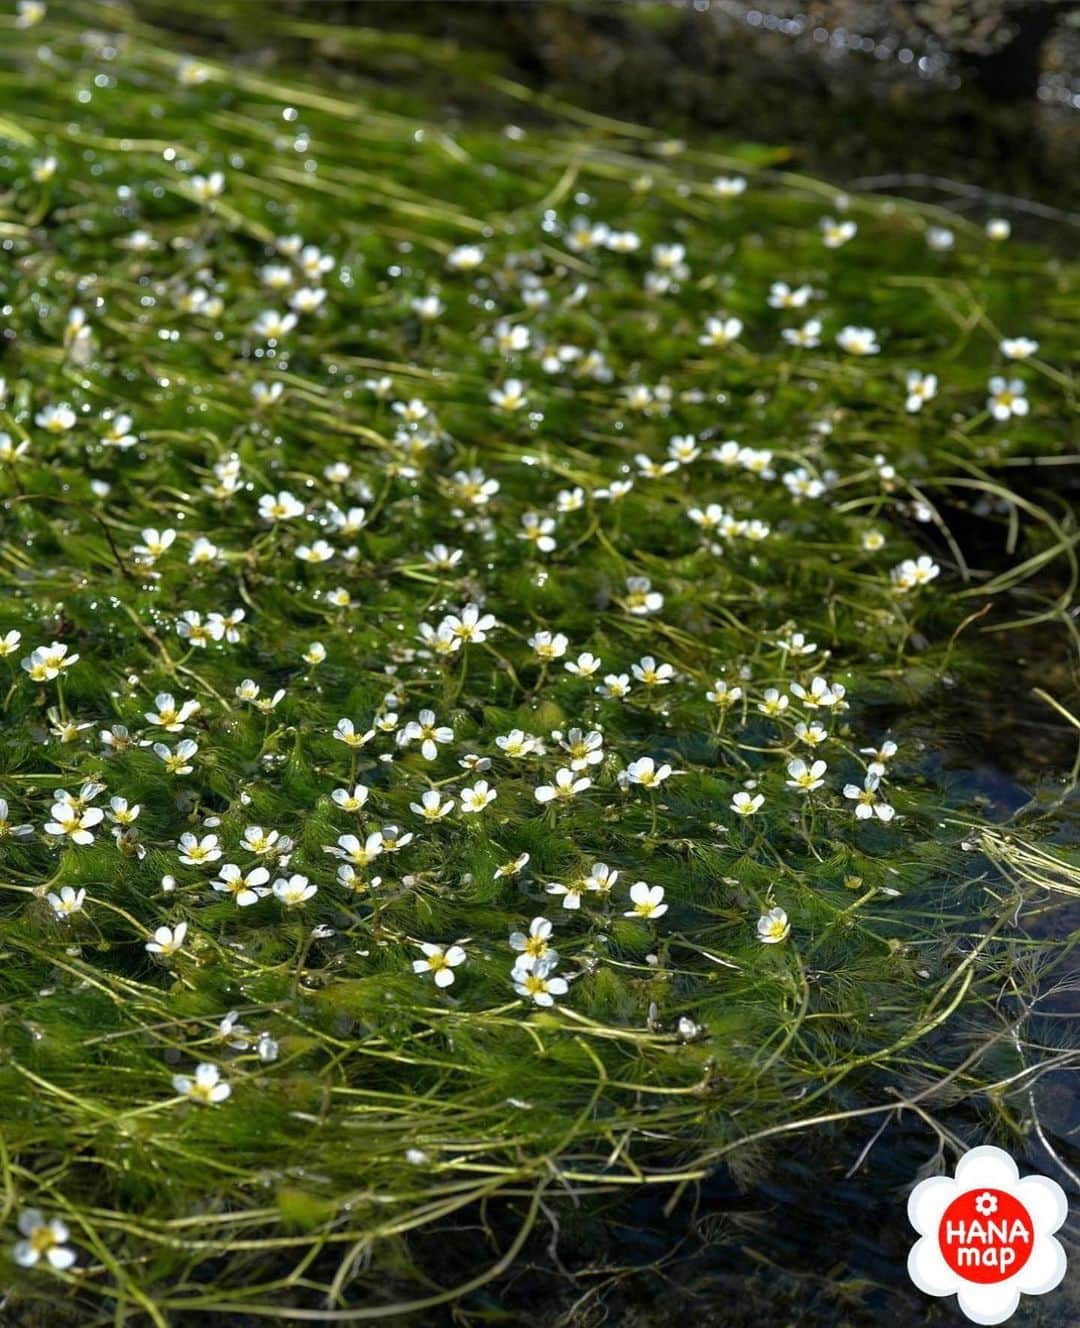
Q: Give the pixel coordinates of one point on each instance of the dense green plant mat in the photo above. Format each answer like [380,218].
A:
[244,549]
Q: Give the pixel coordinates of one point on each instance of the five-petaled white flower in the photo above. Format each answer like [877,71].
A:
[773,927]
[206,1086]
[440,962]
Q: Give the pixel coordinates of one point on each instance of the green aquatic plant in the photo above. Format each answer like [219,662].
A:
[471,601]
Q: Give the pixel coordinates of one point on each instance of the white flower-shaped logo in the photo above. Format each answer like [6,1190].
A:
[987,1236]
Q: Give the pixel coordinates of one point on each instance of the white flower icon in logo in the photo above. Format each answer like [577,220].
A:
[987,1236]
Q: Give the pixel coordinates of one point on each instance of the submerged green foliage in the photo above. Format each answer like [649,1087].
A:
[366,1103]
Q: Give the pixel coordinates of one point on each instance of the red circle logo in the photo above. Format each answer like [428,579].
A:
[986,1235]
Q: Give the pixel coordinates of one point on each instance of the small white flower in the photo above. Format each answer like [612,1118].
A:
[206,1087]
[537,981]
[745,805]
[921,388]
[858,340]
[566,786]
[68,902]
[867,802]
[834,233]
[805,778]
[439,962]
[1007,398]
[773,927]
[1018,348]
[167,941]
[647,901]
[476,798]
[646,773]
[294,891]
[246,888]
[41,1238]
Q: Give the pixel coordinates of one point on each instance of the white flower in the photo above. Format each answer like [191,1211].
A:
[307,299]
[536,530]
[465,258]
[533,945]
[1018,348]
[432,806]
[647,901]
[836,233]
[428,308]
[921,388]
[729,186]
[564,787]
[246,888]
[282,507]
[67,902]
[177,762]
[471,625]
[867,803]
[170,716]
[940,238]
[820,694]
[351,800]
[514,867]
[195,852]
[616,686]
[858,340]
[75,822]
[55,419]
[7,829]
[548,646]
[881,754]
[510,397]
[42,1239]
[721,332]
[805,778]
[723,694]
[647,671]
[517,743]
[646,773]
[914,572]
[206,1088]
[167,940]
[783,296]
[745,805]
[430,734]
[998,228]
[640,597]
[584,748]
[346,731]
[351,849]
[318,552]
[44,663]
[207,187]
[536,981]
[808,337]
[439,962]
[584,666]
[773,927]
[28,14]
[478,797]
[1007,398]
[294,890]
[272,325]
